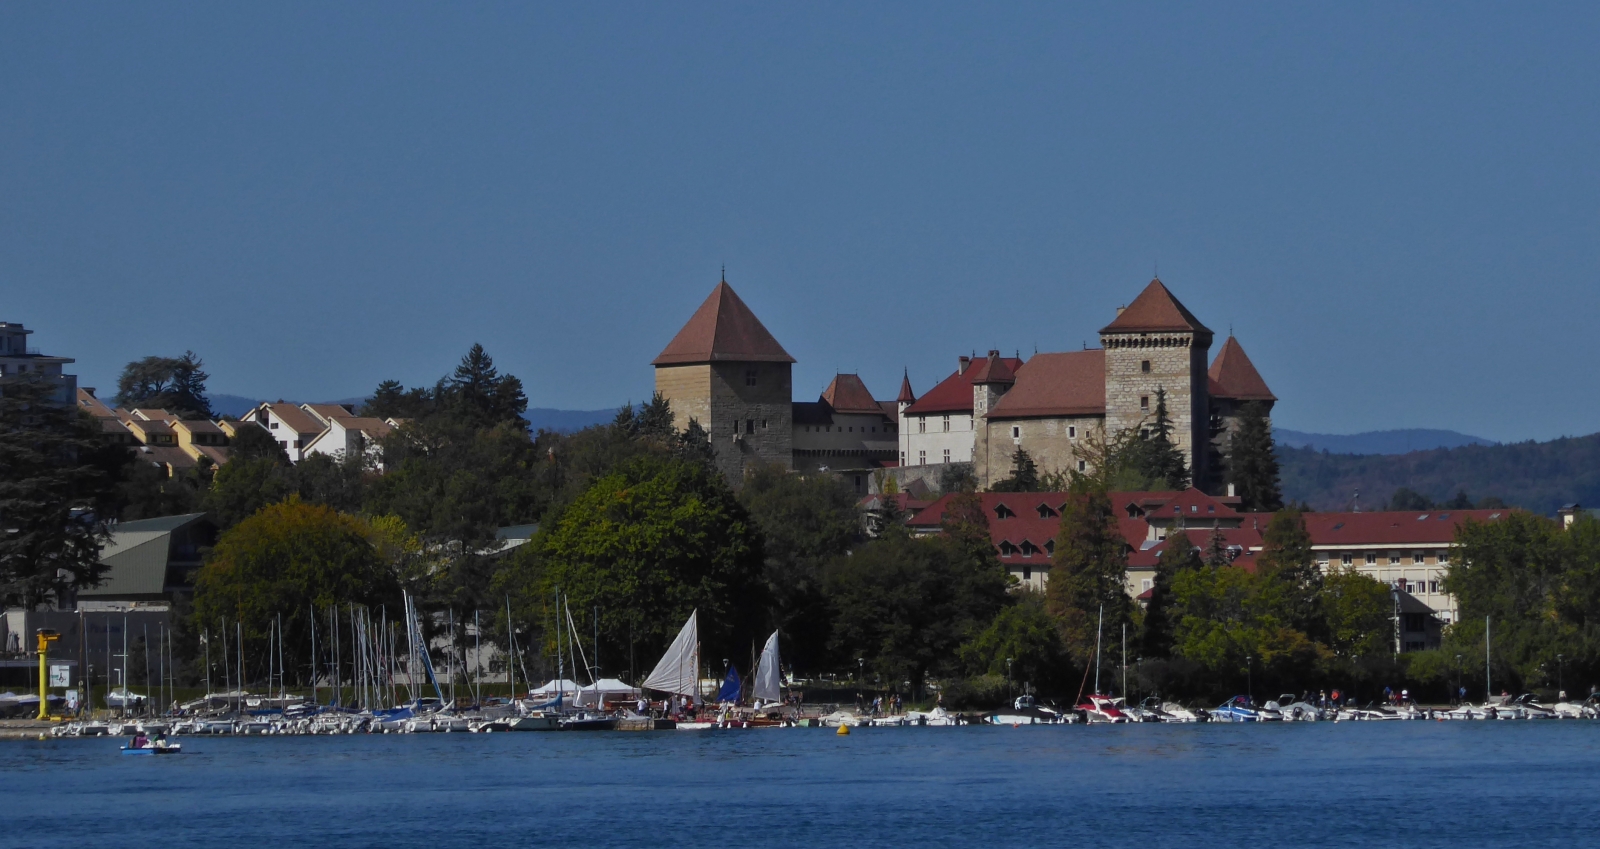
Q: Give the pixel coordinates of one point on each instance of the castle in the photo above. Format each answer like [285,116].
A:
[725,370]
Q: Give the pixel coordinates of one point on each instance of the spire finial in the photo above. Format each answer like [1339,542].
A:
[724,272]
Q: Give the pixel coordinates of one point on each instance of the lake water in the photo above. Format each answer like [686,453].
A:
[1295,784]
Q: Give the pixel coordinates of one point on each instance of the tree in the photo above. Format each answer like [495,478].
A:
[1156,456]
[957,477]
[174,384]
[392,400]
[146,491]
[1251,461]
[806,521]
[1024,474]
[1025,634]
[283,561]
[694,445]
[1406,498]
[1156,634]
[1088,573]
[55,489]
[905,604]
[241,487]
[1288,564]
[478,393]
[647,543]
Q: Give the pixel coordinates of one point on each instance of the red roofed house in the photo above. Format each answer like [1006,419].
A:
[845,431]
[1050,404]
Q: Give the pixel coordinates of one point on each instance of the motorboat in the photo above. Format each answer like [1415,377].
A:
[936,718]
[1097,709]
[536,722]
[589,722]
[1587,709]
[1025,711]
[122,698]
[1236,709]
[1530,708]
[1293,709]
[836,719]
[1174,712]
[153,749]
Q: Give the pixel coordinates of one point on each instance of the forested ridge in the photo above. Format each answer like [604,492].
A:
[1537,476]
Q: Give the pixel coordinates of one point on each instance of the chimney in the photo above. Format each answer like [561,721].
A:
[1119,311]
[964,362]
[1230,491]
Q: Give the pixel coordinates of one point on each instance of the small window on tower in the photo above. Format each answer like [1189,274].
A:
[946,424]
[1082,466]
[749,377]
[922,424]
[1072,431]
[947,455]
[1144,366]
[749,425]
[1144,403]
[922,458]
[1016,432]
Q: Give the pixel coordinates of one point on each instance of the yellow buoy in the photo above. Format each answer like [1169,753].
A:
[844,731]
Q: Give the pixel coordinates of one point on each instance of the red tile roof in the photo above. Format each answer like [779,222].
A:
[1070,384]
[1232,375]
[993,369]
[906,395]
[847,394]
[723,329]
[1243,543]
[1155,311]
[954,393]
[1392,528]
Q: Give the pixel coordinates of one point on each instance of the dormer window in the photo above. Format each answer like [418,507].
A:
[1003,512]
[1046,513]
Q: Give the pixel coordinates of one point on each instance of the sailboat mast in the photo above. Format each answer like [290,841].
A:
[1488,679]
[477,659]
[313,621]
[1098,629]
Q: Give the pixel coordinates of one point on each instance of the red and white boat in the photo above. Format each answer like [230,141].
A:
[1098,709]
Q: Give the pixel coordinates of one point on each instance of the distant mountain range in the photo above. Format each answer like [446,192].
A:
[1377,441]
[539,418]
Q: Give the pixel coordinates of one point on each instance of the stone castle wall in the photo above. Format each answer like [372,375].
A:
[749,424]
[1178,363]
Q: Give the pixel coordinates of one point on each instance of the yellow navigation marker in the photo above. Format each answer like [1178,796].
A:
[844,730]
[46,637]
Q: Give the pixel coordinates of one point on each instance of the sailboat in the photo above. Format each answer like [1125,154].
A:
[767,687]
[678,671]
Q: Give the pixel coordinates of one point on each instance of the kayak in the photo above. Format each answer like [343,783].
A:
[173,749]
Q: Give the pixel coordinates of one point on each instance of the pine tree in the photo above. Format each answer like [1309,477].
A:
[1288,560]
[1161,456]
[655,418]
[1216,553]
[1024,474]
[55,488]
[1252,464]
[1159,627]
[174,384]
[694,445]
[482,395]
[1088,573]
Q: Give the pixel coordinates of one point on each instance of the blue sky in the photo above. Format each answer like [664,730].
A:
[1394,208]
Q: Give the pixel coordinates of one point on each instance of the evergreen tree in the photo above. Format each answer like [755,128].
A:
[1024,474]
[391,400]
[56,487]
[1216,553]
[174,384]
[1088,573]
[1179,554]
[655,418]
[1289,564]
[694,445]
[1158,456]
[482,395]
[1252,464]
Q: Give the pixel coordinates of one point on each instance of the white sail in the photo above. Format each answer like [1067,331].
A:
[678,671]
[768,679]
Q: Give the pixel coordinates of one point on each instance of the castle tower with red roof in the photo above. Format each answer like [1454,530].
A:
[1157,344]
[726,371]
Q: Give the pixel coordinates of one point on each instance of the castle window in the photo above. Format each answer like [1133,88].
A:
[947,455]
[902,458]
[1016,432]
[874,430]
[749,377]
[1144,366]
[946,424]
[749,425]
[1144,403]
[922,424]
[1072,431]
[922,458]
[1082,466]
[763,424]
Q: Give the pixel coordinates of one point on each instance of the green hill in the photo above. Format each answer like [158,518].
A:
[1538,476]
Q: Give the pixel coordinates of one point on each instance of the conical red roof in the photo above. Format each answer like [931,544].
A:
[993,370]
[906,395]
[723,329]
[1155,311]
[1232,375]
